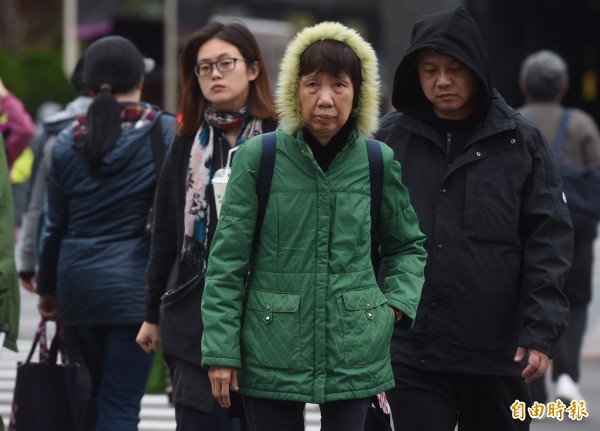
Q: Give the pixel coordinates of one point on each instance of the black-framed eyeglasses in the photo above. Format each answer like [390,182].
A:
[223,65]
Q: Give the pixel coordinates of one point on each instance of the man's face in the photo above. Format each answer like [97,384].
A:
[448,84]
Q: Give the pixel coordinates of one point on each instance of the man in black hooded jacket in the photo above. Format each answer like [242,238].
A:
[488,194]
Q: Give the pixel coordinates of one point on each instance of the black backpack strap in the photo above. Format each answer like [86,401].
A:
[265,175]
[376,177]
[559,139]
[158,146]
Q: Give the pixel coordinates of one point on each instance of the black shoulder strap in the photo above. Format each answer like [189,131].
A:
[158,146]
[559,140]
[376,177]
[265,175]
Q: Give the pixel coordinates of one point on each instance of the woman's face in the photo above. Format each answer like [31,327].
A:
[225,90]
[326,103]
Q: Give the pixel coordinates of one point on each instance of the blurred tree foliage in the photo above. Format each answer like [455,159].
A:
[36,77]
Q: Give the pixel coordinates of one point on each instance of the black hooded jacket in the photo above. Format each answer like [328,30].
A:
[499,236]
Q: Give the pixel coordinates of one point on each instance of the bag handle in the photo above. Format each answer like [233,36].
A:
[49,356]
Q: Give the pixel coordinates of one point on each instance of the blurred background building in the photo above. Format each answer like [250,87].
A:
[39,35]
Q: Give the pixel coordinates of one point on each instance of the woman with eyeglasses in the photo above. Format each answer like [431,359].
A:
[225,99]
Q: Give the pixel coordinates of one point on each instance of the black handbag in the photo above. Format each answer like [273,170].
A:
[44,394]
[181,324]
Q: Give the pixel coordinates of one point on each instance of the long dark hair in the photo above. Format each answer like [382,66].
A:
[193,103]
[112,65]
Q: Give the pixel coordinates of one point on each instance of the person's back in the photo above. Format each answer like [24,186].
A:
[544,82]
[95,249]
[107,214]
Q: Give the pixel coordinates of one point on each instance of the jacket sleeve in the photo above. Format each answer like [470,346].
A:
[163,247]
[20,125]
[401,244]
[547,250]
[30,227]
[9,286]
[56,222]
[228,262]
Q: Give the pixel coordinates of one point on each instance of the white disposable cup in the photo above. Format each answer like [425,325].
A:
[220,180]
[219,187]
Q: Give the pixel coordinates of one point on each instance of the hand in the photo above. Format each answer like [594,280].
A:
[28,283]
[47,306]
[149,337]
[537,363]
[397,314]
[221,379]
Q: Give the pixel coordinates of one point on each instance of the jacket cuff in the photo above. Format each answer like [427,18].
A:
[152,310]
[221,362]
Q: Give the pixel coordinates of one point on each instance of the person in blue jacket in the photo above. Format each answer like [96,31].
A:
[95,249]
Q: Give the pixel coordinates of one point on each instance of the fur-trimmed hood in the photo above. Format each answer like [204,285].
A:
[288,104]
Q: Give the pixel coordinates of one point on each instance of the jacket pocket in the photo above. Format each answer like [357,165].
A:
[368,325]
[271,331]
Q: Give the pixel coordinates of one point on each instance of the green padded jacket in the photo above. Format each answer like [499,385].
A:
[308,323]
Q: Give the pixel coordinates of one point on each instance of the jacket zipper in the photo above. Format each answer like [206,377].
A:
[448,144]
[179,288]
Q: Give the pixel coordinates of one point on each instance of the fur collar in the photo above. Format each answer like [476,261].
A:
[288,105]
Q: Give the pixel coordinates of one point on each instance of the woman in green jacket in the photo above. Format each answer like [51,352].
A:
[308,323]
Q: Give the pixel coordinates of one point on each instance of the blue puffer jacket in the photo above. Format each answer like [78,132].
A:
[94,251]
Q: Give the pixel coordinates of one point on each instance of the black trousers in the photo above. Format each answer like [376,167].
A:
[431,401]
[277,415]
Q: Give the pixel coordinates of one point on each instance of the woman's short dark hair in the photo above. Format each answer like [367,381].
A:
[544,74]
[332,58]
[193,103]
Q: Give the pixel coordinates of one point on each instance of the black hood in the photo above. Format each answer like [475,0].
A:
[453,33]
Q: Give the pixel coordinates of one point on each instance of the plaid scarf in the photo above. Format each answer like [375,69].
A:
[133,115]
[197,208]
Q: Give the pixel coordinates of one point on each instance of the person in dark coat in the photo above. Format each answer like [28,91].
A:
[95,249]
[544,81]
[226,99]
[488,194]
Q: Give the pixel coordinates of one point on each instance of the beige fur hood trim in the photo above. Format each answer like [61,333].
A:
[288,104]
